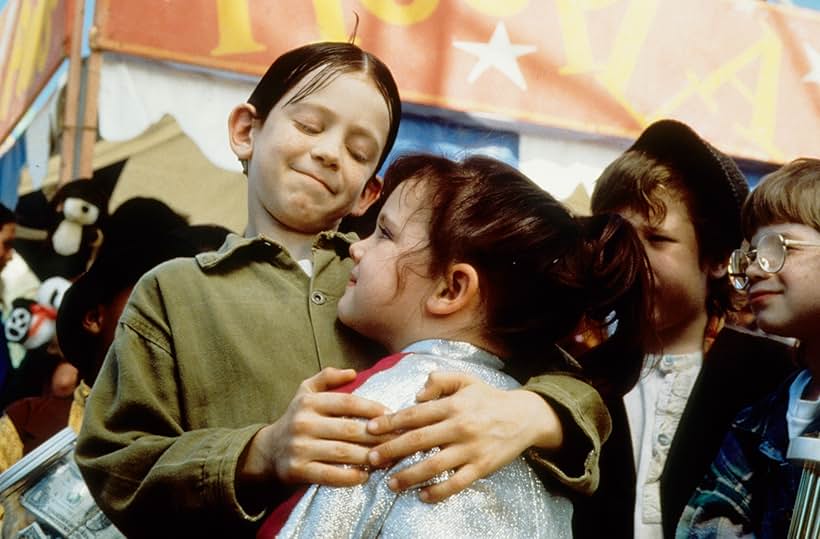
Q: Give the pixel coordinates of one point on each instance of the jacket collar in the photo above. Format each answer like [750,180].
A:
[240,246]
[767,422]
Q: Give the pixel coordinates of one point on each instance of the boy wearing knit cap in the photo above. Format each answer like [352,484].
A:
[684,197]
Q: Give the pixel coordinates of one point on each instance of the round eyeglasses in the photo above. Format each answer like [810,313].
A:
[770,256]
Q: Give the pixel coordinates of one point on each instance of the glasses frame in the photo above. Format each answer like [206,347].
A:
[740,279]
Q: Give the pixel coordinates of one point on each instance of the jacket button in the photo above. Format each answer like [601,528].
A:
[318,298]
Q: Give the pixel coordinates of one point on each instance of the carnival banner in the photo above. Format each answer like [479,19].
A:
[33,43]
[746,74]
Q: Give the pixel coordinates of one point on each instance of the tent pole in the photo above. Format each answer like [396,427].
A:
[90,95]
[68,166]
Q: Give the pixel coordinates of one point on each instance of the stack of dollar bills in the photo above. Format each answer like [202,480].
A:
[44,496]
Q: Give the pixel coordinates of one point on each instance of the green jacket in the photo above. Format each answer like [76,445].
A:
[208,351]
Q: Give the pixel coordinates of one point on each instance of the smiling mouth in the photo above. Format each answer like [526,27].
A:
[758,296]
[316,179]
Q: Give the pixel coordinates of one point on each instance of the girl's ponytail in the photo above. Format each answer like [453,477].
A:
[617,282]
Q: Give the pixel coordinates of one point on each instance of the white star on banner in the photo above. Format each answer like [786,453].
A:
[498,53]
[814,60]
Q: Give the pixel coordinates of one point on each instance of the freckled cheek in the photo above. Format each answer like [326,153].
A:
[286,141]
[285,150]
[354,177]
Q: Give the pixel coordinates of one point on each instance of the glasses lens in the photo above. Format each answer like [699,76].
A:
[738,263]
[771,253]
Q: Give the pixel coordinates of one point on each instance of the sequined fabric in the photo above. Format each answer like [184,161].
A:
[509,503]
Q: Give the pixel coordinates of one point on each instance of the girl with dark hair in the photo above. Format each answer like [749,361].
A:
[474,268]
[208,406]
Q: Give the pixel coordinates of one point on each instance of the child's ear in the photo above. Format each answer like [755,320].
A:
[370,194]
[455,291]
[240,130]
[92,321]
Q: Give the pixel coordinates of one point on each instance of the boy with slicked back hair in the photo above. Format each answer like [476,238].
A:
[684,197]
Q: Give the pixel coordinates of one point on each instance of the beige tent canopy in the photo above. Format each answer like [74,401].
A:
[165,164]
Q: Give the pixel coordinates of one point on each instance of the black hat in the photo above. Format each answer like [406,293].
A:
[714,177]
[140,234]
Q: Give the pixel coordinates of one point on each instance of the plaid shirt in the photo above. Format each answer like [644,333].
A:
[750,488]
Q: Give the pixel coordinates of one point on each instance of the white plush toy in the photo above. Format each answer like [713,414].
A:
[69,233]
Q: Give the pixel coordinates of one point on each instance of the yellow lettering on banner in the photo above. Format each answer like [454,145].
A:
[234,25]
[330,20]
[762,98]
[393,12]
[573,23]
[498,8]
[29,50]
[764,104]
[628,44]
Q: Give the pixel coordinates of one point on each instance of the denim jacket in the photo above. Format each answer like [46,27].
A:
[750,487]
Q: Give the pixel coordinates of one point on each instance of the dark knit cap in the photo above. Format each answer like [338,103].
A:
[713,177]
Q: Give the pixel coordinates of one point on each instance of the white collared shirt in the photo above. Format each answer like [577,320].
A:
[654,408]
[800,412]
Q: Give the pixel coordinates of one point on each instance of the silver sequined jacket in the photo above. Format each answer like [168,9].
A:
[510,503]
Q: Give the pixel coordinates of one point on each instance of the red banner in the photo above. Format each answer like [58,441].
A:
[745,74]
[33,36]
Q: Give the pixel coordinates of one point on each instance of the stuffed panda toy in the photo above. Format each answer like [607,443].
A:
[31,323]
[58,236]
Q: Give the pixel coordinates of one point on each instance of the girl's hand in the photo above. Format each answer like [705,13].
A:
[315,435]
[479,429]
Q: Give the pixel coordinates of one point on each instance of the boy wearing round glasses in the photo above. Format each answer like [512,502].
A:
[751,487]
[770,256]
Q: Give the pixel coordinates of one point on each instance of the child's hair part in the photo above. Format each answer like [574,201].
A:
[323,62]
[540,269]
[790,194]
[669,157]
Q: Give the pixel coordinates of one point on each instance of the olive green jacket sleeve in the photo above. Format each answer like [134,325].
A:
[206,353]
[586,424]
[149,471]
